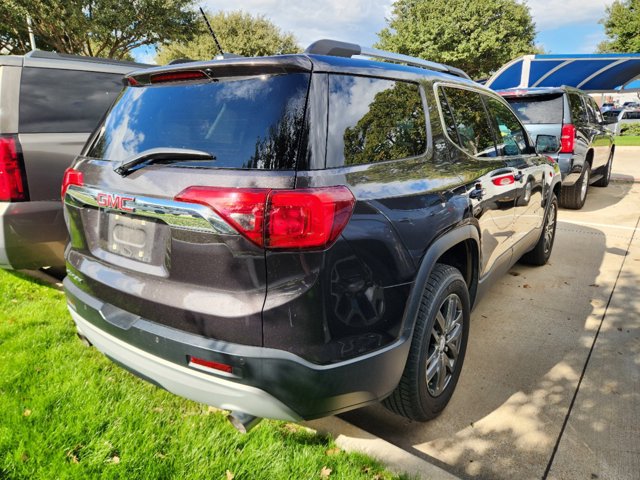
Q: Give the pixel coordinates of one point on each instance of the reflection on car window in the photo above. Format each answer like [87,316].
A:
[373,120]
[578,111]
[469,117]
[249,122]
[511,135]
[65,101]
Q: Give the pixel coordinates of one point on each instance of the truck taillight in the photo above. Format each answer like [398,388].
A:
[71,177]
[567,138]
[12,181]
[280,219]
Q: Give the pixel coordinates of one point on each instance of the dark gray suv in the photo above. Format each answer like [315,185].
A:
[586,149]
[300,235]
[50,104]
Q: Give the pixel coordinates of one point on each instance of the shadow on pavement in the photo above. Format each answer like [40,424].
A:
[529,339]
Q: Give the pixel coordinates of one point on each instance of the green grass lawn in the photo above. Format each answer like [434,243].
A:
[628,140]
[68,412]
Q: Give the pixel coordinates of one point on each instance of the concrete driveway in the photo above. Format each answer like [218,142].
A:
[551,381]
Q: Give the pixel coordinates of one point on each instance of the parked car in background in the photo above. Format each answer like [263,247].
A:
[586,148]
[615,120]
[50,104]
[607,106]
[300,235]
[631,105]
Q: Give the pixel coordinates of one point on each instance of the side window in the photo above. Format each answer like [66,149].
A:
[466,114]
[511,136]
[595,109]
[373,120]
[578,111]
[65,101]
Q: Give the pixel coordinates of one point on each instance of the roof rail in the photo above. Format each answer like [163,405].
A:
[79,58]
[337,48]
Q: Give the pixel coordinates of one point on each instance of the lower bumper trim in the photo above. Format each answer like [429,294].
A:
[185,382]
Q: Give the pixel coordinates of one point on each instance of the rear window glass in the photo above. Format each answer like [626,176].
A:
[538,109]
[65,101]
[373,120]
[244,122]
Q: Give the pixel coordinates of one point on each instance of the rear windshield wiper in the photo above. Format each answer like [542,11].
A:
[160,155]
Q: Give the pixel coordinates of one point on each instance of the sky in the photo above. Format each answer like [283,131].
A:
[567,26]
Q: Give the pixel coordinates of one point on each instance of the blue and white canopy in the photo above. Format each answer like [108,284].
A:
[596,73]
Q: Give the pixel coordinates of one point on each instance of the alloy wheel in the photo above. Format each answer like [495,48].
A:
[549,228]
[444,345]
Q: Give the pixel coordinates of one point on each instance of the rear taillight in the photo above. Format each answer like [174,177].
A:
[12,182]
[504,180]
[71,177]
[280,219]
[567,138]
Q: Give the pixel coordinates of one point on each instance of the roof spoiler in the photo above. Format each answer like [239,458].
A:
[336,48]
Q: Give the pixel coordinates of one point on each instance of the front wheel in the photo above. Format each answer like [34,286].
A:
[542,251]
[437,349]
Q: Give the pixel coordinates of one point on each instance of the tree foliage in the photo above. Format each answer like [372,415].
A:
[622,26]
[476,35]
[394,127]
[238,32]
[103,28]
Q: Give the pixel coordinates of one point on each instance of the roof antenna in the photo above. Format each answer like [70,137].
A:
[215,39]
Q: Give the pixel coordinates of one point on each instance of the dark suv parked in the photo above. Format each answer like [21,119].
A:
[300,235]
[586,149]
[50,105]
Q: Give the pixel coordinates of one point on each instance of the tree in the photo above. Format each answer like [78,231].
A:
[238,32]
[477,36]
[622,26]
[102,28]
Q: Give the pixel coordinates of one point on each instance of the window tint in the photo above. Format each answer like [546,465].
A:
[592,109]
[249,122]
[65,101]
[538,109]
[511,137]
[470,119]
[578,110]
[631,115]
[373,120]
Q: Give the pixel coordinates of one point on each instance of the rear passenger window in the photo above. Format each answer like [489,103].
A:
[65,101]
[578,111]
[373,120]
[511,137]
[465,114]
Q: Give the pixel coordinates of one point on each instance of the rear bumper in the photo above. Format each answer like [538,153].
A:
[264,382]
[32,235]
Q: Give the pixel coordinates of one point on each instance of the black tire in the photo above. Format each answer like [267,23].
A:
[415,397]
[604,181]
[542,251]
[574,196]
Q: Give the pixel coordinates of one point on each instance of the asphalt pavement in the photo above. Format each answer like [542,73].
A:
[550,387]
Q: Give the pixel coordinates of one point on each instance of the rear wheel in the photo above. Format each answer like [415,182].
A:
[437,349]
[574,196]
[604,181]
[542,251]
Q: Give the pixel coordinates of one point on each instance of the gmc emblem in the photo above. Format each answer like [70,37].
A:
[117,202]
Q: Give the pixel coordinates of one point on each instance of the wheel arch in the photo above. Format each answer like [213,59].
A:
[458,248]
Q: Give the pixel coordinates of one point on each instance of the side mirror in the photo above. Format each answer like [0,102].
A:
[547,144]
